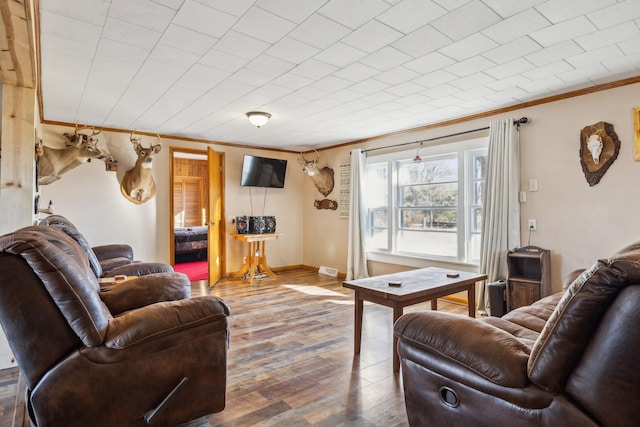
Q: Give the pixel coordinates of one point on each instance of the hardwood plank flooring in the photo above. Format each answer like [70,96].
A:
[291,358]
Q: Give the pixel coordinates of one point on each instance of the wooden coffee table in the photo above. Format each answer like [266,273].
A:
[416,286]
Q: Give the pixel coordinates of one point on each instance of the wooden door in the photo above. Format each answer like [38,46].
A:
[215,222]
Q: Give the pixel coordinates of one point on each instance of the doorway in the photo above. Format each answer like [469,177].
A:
[196,225]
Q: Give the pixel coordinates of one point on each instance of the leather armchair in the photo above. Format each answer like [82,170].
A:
[107,260]
[111,358]
[567,360]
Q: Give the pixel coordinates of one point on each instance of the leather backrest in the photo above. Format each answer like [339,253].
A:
[67,226]
[571,326]
[62,267]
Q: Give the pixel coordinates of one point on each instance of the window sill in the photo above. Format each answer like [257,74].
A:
[419,262]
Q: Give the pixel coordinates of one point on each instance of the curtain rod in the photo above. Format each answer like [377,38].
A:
[517,123]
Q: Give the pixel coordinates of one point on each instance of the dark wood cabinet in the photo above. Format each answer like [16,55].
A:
[528,276]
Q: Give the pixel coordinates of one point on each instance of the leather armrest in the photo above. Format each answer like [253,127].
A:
[137,269]
[166,318]
[104,252]
[467,343]
[142,291]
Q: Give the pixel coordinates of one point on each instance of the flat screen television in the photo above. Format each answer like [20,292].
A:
[263,172]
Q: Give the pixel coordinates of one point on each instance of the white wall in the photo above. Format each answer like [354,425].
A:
[91,198]
[578,223]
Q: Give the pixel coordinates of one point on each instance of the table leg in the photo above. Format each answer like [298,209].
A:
[264,267]
[434,304]
[254,261]
[397,312]
[246,265]
[359,305]
[471,299]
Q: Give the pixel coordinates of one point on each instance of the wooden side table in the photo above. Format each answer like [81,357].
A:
[256,261]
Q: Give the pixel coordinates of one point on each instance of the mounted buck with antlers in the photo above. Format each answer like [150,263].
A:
[138,185]
[322,177]
[80,148]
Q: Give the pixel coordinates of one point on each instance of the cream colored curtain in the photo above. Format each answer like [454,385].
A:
[501,217]
[356,253]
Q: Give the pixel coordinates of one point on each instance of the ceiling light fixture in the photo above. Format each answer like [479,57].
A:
[258,118]
[417,158]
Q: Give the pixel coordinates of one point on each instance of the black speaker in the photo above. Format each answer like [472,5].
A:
[270,224]
[257,224]
[497,298]
[242,225]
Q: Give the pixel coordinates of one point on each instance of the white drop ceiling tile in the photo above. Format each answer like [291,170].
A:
[415,99]
[206,20]
[310,93]
[554,53]
[235,7]
[202,78]
[409,15]
[223,61]
[512,50]
[294,10]
[421,42]
[386,59]
[142,12]
[292,50]
[250,77]
[466,20]
[242,45]
[68,28]
[121,51]
[542,87]
[562,10]
[594,56]
[625,68]
[270,65]
[563,31]
[508,69]
[356,72]
[319,31]
[404,89]
[609,36]
[92,12]
[554,68]
[372,36]
[451,4]
[263,25]
[615,14]
[584,74]
[630,46]
[470,66]
[189,40]
[172,56]
[507,8]
[397,75]
[516,26]
[446,101]
[135,35]
[369,86]
[353,13]
[509,82]
[472,80]
[340,55]
[292,81]
[380,99]
[469,46]
[430,62]
[435,78]
[475,93]
[173,4]
[346,95]
[55,44]
[332,84]
[510,95]
[440,91]
[313,69]
[104,66]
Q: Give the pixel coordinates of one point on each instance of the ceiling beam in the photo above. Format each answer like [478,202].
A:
[17,43]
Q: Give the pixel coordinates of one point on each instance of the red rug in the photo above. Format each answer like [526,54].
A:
[196,270]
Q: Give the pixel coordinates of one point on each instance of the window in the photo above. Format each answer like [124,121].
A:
[431,208]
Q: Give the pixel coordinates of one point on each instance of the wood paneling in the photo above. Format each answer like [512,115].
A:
[190,191]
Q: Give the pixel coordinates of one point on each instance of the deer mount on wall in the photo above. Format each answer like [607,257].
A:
[322,179]
[80,148]
[138,185]
[599,148]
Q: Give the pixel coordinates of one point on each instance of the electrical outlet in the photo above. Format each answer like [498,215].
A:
[232,219]
[532,225]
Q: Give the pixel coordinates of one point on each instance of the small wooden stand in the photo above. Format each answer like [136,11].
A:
[256,261]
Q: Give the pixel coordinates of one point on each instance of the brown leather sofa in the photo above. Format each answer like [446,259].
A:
[107,260]
[133,355]
[569,359]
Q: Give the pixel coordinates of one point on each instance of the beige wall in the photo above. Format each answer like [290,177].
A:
[90,197]
[577,222]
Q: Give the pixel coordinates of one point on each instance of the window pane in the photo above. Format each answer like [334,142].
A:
[377,182]
[427,243]
[378,239]
[442,169]
[429,195]
[444,220]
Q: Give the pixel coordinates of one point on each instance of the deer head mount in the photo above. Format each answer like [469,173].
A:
[138,185]
[80,148]
[322,177]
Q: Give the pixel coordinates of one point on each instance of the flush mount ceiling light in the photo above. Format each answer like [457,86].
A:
[258,118]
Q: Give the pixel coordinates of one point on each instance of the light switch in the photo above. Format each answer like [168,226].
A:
[533,185]
[523,196]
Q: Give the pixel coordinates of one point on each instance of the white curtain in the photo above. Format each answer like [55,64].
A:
[501,217]
[356,254]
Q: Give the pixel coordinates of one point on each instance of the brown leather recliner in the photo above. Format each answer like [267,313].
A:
[569,359]
[107,260]
[115,358]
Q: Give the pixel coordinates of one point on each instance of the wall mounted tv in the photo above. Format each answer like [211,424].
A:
[263,172]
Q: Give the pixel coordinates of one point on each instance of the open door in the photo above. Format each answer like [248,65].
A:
[215,223]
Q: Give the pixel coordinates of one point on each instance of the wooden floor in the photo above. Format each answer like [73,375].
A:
[291,358]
